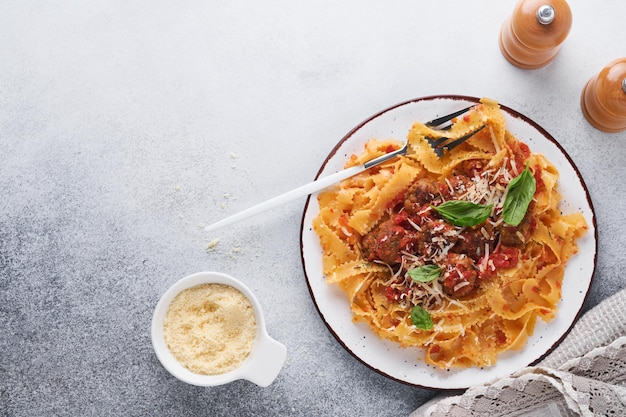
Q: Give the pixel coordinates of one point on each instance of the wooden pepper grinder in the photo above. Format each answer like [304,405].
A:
[603,99]
[532,36]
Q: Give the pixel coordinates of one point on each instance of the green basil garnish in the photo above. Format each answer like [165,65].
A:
[425,273]
[464,213]
[519,194]
[421,318]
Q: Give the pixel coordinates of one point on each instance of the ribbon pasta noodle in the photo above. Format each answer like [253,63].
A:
[463,293]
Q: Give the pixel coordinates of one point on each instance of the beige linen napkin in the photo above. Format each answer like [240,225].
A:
[584,376]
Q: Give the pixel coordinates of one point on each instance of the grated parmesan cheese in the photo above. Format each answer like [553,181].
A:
[461,285]
[210,328]
[494,140]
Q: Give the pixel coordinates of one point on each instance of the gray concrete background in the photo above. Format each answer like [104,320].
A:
[125,127]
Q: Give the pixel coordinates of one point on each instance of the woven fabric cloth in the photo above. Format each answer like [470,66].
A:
[584,376]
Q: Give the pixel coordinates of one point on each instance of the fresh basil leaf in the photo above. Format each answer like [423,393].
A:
[421,318]
[425,273]
[519,194]
[464,213]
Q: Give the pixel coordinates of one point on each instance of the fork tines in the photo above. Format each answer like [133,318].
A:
[441,145]
[444,144]
[443,119]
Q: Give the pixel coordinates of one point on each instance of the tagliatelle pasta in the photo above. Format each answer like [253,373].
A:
[459,254]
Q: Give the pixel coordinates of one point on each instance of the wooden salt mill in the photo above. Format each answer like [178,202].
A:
[603,99]
[532,36]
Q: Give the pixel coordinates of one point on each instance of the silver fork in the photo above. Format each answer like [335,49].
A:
[439,145]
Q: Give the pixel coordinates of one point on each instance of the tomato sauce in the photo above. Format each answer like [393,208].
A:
[415,233]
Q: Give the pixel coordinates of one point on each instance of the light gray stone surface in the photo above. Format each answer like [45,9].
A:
[125,127]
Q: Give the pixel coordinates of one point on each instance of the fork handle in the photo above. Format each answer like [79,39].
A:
[304,190]
[301,191]
[385,157]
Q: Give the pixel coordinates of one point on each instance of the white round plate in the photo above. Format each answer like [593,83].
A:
[406,364]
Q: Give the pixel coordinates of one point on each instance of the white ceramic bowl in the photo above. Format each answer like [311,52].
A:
[260,367]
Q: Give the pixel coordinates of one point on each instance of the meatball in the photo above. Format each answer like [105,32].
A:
[472,241]
[459,277]
[517,236]
[471,167]
[459,185]
[387,241]
[439,235]
[422,192]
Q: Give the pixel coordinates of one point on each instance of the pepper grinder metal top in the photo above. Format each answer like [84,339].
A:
[603,100]
[545,14]
[532,36]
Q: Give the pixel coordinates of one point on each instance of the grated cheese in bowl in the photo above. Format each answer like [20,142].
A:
[208,329]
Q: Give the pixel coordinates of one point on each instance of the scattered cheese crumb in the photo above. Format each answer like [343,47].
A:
[212,245]
[234,252]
